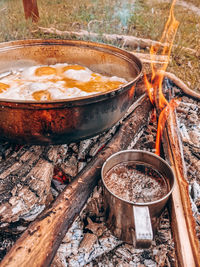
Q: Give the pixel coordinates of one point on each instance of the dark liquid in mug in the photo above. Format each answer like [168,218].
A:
[136,182]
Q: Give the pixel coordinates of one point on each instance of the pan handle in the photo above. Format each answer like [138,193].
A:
[143,229]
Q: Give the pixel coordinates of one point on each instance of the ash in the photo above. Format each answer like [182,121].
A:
[90,243]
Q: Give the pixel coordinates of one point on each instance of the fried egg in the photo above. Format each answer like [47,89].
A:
[59,81]
[36,73]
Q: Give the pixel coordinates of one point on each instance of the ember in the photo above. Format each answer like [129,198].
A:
[61,176]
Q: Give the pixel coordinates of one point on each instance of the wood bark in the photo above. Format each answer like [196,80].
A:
[31,10]
[38,245]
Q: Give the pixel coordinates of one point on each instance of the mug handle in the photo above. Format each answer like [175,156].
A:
[143,228]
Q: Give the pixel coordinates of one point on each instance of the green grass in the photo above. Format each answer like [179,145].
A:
[142,18]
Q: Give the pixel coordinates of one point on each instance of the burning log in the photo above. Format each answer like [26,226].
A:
[182,216]
[38,245]
[183,224]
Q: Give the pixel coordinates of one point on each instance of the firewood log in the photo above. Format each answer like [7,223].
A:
[183,223]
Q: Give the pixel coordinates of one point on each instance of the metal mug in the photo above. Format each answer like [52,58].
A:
[135,222]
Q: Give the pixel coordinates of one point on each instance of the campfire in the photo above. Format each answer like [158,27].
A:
[51,202]
[92,241]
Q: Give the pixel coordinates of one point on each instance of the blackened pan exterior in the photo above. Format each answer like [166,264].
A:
[69,120]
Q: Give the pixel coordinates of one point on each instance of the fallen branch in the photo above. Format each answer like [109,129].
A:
[125,40]
[39,243]
[179,83]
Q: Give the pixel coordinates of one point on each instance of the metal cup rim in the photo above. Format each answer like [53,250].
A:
[139,203]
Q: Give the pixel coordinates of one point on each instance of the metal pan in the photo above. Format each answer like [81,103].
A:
[67,120]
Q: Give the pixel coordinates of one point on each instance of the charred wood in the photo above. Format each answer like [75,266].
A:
[25,179]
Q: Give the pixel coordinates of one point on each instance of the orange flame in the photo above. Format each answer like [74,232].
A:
[131,92]
[161,122]
[154,87]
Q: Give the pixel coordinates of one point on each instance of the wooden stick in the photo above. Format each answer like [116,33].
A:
[183,223]
[31,10]
[125,40]
[178,82]
[39,243]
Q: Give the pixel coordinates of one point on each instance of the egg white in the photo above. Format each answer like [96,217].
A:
[23,83]
[79,75]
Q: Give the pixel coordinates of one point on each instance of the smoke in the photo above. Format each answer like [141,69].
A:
[123,11]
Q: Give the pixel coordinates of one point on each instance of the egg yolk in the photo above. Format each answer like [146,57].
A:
[42,95]
[99,86]
[73,67]
[4,87]
[96,77]
[45,71]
